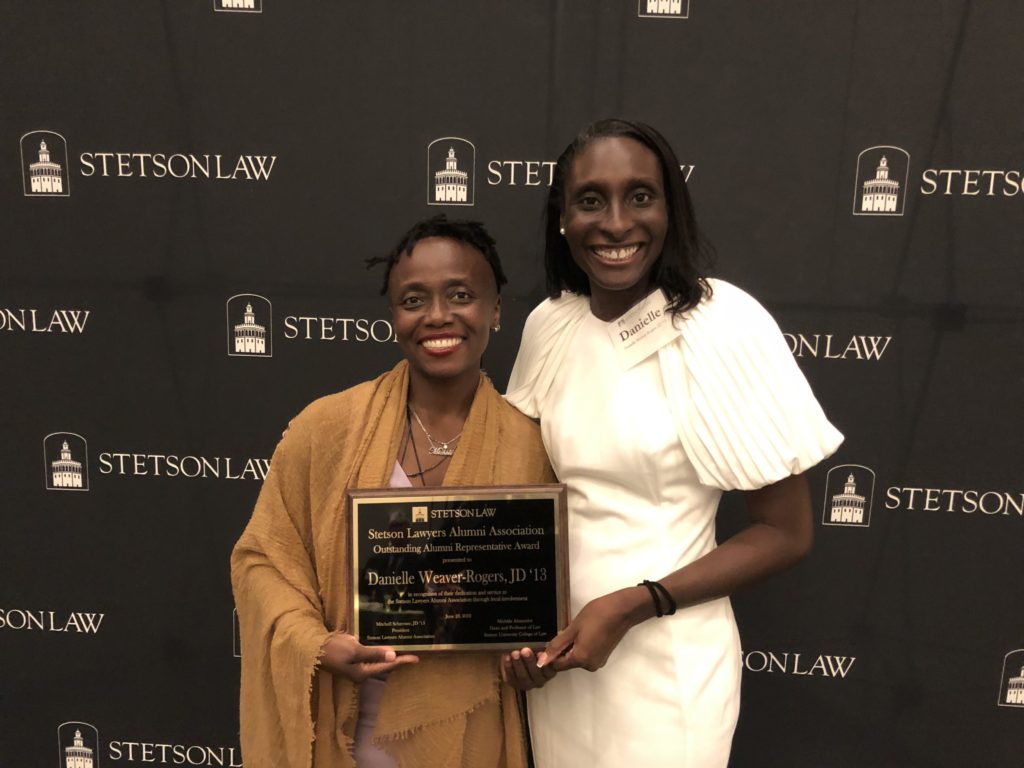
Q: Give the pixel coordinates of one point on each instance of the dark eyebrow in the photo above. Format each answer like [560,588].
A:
[638,181]
[458,280]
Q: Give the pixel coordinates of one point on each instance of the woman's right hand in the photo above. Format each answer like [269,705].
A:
[519,669]
[341,654]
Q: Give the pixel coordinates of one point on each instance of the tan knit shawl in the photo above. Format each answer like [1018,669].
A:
[289,582]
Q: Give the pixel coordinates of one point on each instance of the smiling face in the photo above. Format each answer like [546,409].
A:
[444,302]
[615,219]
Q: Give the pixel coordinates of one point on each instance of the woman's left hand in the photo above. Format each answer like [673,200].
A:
[341,654]
[591,637]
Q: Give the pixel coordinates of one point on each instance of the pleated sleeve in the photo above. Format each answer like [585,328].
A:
[744,412]
[546,339]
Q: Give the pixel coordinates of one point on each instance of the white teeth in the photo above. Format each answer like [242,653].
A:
[445,343]
[617,254]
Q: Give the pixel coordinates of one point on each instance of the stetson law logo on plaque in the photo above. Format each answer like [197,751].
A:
[881,186]
[44,164]
[849,493]
[451,171]
[78,745]
[250,326]
[66,462]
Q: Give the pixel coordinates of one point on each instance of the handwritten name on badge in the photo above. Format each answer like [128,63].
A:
[643,330]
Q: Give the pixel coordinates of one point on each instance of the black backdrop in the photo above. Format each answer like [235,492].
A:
[210,158]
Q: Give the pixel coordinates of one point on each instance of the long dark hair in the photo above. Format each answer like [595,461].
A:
[681,268]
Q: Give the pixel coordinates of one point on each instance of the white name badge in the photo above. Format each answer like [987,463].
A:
[643,330]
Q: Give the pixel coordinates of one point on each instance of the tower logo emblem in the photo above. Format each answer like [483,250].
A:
[451,171]
[663,9]
[1011,690]
[250,326]
[66,461]
[239,6]
[881,186]
[44,164]
[78,745]
[849,491]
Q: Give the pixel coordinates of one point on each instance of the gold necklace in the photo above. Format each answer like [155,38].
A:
[437,447]
[421,473]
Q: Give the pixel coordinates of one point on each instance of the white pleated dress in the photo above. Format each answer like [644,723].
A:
[646,453]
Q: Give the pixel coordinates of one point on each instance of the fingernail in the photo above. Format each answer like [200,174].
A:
[542,659]
[390,656]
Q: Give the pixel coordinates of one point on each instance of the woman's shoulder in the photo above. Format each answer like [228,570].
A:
[554,310]
[337,412]
[730,311]
[544,343]
[724,296]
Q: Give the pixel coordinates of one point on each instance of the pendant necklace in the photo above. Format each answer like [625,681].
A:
[437,447]
[421,473]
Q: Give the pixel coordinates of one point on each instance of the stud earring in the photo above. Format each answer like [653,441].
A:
[497,327]
[561,231]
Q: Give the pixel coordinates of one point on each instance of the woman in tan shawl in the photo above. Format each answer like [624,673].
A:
[303,678]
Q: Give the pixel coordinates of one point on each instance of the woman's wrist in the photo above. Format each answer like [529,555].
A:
[637,606]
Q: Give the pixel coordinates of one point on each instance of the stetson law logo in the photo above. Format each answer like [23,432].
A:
[250,327]
[663,9]
[250,324]
[849,493]
[44,164]
[1011,689]
[35,320]
[967,501]
[239,6]
[78,745]
[84,622]
[66,461]
[451,177]
[836,347]
[451,171]
[881,186]
[535,173]
[882,182]
[972,182]
[799,663]
[46,169]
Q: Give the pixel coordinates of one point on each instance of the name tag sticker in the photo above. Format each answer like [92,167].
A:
[643,330]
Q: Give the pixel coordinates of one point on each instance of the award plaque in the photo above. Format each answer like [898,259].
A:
[458,569]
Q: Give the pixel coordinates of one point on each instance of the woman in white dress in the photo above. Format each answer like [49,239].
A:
[656,388]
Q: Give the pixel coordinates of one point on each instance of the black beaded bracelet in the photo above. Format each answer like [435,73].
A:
[654,596]
[668,597]
[657,589]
